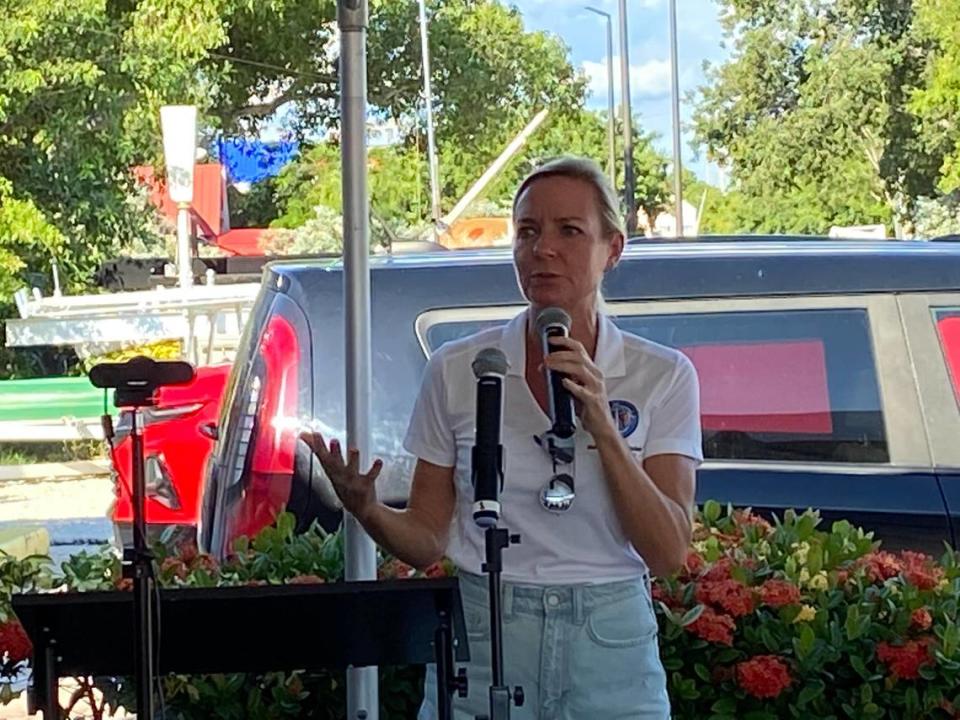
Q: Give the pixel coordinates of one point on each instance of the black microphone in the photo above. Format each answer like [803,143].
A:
[489,367]
[554,322]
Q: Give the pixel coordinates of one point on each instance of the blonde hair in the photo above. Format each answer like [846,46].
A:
[587,170]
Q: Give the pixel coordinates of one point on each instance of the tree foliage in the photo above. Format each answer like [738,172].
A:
[399,181]
[812,113]
[938,102]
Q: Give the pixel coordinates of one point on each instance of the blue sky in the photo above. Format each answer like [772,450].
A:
[699,39]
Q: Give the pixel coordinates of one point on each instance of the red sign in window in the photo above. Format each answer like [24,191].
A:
[949,329]
[776,387]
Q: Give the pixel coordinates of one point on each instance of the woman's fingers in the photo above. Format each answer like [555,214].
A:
[374,472]
[315,442]
[585,375]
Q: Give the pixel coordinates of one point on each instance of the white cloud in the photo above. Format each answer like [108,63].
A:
[650,79]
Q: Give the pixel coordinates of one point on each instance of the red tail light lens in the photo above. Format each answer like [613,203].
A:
[277,417]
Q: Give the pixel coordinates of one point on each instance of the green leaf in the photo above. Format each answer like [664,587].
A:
[725,706]
[691,615]
[711,511]
[856,662]
[815,559]
[810,692]
[853,626]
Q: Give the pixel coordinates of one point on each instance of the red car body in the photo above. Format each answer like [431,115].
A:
[177,444]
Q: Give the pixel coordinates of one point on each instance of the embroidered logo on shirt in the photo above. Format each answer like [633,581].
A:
[626,416]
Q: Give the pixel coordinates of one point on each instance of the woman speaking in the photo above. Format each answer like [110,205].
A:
[579,629]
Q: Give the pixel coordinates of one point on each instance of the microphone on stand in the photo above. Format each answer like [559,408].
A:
[489,367]
[555,322]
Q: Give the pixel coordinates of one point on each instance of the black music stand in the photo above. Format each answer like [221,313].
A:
[251,629]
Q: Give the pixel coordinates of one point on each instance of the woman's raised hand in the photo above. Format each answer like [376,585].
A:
[355,489]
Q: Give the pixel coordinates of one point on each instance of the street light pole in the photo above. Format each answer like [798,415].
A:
[611,121]
[178,124]
[428,100]
[629,198]
[675,102]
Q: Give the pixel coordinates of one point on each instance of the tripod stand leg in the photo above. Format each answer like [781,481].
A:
[51,681]
[444,653]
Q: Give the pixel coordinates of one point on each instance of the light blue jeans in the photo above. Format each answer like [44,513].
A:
[578,651]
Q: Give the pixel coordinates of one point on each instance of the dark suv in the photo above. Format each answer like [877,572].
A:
[830,375]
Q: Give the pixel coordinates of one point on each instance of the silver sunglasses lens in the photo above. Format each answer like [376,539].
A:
[557,495]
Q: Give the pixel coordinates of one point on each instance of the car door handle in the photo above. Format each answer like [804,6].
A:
[210,430]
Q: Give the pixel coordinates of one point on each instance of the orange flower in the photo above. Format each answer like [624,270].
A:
[124,584]
[14,642]
[659,594]
[720,570]
[694,563]
[763,676]
[744,518]
[904,661]
[174,567]
[919,570]
[920,618]
[713,627]
[395,569]
[881,566]
[436,570]
[306,580]
[730,595]
[187,552]
[206,562]
[777,593]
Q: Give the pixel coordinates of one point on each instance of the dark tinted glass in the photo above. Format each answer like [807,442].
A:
[786,386]
[795,385]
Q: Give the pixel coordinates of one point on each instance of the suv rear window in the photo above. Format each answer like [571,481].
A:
[948,329]
[795,386]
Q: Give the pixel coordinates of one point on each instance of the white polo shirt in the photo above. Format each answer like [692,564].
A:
[654,395]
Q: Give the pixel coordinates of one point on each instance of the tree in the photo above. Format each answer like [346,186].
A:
[812,113]
[938,102]
[399,182]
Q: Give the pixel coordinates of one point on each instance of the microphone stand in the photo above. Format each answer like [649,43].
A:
[501,698]
[135,383]
[489,367]
[138,562]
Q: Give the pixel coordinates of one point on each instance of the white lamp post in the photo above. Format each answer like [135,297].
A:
[179,125]
[611,126]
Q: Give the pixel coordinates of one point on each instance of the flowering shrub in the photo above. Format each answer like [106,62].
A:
[275,556]
[16,576]
[786,620]
[765,621]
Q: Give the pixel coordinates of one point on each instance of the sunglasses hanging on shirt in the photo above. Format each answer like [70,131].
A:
[558,493]
[559,442]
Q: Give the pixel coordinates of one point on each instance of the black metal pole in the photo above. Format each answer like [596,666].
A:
[142,579]
[501,697]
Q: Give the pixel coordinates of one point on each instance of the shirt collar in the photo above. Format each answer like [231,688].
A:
[609,356]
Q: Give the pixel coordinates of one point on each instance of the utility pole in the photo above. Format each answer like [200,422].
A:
[431,141]
[629,194]
[675,101]
[611,112]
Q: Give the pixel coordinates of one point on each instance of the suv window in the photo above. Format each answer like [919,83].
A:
[948,329]
[775,385]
